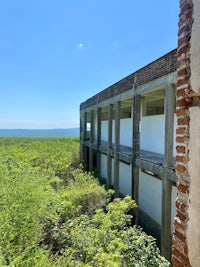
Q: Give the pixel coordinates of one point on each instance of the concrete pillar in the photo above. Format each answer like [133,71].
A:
[81,137]
[99,114]
[110,112]
[109,158]
[136,148]
[83,131]
[117,144]
[91,126]
[168,161]
[85,126]
[91,167]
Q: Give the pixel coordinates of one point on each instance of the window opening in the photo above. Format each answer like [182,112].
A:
[153,107]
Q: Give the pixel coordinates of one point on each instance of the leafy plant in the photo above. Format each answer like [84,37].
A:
[52,213]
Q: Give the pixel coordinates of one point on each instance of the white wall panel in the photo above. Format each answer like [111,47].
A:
[103,171]
[125,178]
[150,195]
[104,131]
[152,133]
[126,127]
[125,131]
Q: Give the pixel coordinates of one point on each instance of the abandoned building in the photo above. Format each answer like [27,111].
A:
[127,133]
[142,135]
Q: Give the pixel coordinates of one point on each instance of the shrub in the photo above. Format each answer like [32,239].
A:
[54,214]
[107,240]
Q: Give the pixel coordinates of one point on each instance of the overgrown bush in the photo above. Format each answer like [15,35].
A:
[106,239]
[54,214]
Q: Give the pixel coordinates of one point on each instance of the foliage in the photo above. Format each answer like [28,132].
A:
[28,168]
[107,239]
[54,214]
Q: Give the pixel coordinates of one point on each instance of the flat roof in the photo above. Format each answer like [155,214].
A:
[156,69]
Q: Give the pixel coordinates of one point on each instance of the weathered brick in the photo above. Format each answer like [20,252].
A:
[181,187]
[181,139]
[180,168]
[181,81]
[185,7]
[181,260]
[185,30]
[181,159]
[183,61]
[183,49]
[181,236]
[180,246]
[183,121]
[184,102]
[183,73]
[188,15]
[181,131]
[180,93]
[186,38]
[180,205]
[179,225]
[180,149]
[175,261]
[182,112]
[181,215]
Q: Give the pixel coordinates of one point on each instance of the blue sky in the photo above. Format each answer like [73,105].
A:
[54,54]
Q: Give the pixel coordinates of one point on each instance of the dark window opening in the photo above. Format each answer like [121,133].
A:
[153,107]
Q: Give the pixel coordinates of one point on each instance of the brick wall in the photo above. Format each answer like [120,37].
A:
[160,67]
[179,241]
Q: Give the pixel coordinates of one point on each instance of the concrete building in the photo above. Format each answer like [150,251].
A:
[128,134]
[143,136]
[186,237]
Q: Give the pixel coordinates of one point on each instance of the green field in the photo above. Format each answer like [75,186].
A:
[54,214]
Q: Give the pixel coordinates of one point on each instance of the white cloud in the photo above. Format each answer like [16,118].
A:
[79,46]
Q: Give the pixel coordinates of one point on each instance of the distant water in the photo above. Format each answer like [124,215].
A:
[71,132]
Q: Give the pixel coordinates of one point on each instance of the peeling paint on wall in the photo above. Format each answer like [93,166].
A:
[193,230]
[195,48]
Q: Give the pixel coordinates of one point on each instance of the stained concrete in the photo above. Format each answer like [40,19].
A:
[195,48]
[193,230]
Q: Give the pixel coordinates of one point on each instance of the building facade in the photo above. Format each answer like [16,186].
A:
[128,135]
[142,134]
[186,237]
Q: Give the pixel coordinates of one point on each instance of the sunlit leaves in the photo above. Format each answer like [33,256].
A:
[53,214]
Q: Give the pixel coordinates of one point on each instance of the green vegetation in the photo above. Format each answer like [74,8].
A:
[54,214]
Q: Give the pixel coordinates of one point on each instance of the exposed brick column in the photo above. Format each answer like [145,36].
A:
[179,241]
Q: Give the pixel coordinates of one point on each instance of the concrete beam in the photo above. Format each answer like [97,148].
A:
[159,83]
[159,170]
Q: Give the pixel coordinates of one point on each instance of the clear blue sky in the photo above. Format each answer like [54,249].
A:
[54,54]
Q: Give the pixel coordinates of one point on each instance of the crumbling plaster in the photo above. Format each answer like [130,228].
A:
[195,48]
[193,229]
